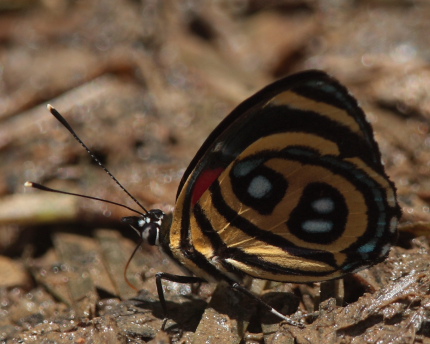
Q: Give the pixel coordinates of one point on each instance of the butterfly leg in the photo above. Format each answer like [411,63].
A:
[245,291]
[159,277]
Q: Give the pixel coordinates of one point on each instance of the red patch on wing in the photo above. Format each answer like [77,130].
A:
[204,182]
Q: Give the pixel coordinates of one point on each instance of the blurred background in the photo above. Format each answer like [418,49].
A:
[143,82]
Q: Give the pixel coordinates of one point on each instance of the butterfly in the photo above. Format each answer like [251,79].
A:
[288,187]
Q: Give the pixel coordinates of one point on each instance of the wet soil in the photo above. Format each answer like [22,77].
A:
[144,83]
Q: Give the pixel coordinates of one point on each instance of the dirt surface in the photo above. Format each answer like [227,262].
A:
[143,83]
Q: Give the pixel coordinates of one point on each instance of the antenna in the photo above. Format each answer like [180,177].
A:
[45,188]
[63,121]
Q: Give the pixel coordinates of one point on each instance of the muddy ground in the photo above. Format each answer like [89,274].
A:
[144,83]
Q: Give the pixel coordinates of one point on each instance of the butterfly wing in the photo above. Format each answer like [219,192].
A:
[289,187]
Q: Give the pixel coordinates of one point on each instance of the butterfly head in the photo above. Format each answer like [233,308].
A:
[148,226]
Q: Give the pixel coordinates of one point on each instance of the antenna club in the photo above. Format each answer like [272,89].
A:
[28,184]
[49,107]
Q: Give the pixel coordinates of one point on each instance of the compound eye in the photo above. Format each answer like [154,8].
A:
[156,214]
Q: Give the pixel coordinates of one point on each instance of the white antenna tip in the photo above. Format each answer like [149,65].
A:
[49,106]
[28,184]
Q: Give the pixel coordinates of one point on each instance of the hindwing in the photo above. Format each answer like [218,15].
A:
[289,187]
